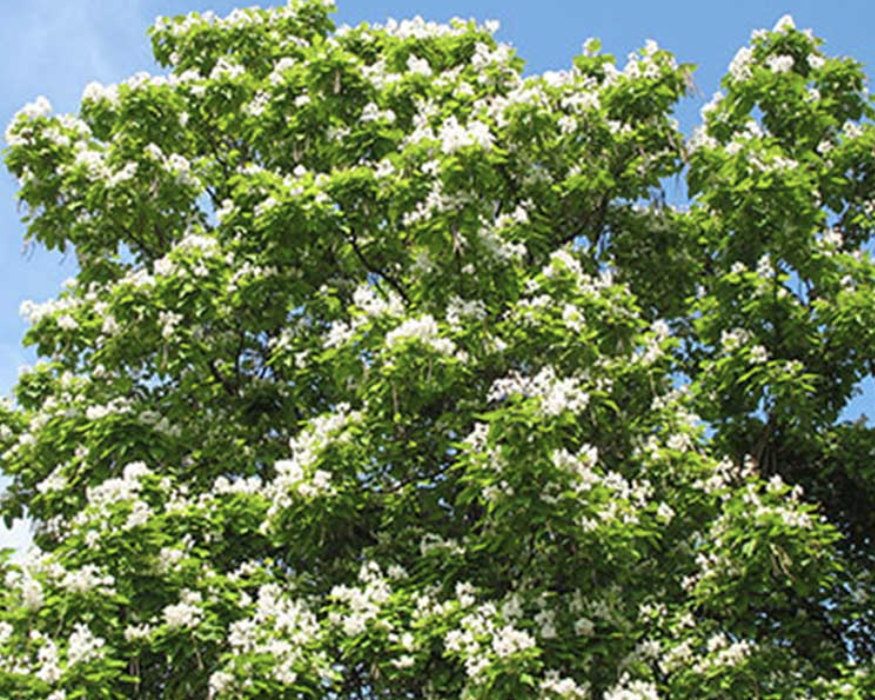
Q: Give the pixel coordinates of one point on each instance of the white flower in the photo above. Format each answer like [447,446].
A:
[833,238]
[49,666]
[373,304]
[251,485]
[168,320]
[459,309]
[185,614]
[780,64]
[258,104]
[384,169]
[765,269]
[632,690]
[320,483]
[758,355]
[139,515]
[339,334]
[567,124]
[419,66]
[226,208]
[83,646]
[178,164]
[563,687]
[110,326]
[716,98]
[584,627]
[153,152]
[425,330]
[87,579]
[852,130]
[509,640]
[115,490]
[557,395]
[785,24]
[665,513]
[67,323]
[480,134]
[56,137]
[372,113]
[92,162]
[225,68]
[97,92]
[454,136]
[730,340]
[31,593]
[123,175]
[220,681]
[405,661]
[135,633]
[700,139]
[40,107]
[739,69]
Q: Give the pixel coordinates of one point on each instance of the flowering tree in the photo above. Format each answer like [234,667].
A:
[390,373]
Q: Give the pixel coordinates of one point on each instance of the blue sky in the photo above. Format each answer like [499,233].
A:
[55,48]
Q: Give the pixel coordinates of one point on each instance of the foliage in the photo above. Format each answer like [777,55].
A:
[390,373]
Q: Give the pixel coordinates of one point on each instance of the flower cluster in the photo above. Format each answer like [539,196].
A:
[389,371]
[554,395]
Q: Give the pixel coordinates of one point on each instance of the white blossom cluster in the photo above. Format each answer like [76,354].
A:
[555,686]
[459,310]
[185,614]
[375,304]
[563,262]
[740,67]
[63,307]
[453,136]
[280,627]
[499,248]
[436,202]
[87,579]
[122,488]
[629,689]
[598,493]
[368,304]
[418,28]
[181,27]
[423,329]
[52,662]
[649,63]
[480,640]
[363,603]
[722,654]
[780,64]
[17,133]
[104,499]
[295,476]
[653,347]
[555,395]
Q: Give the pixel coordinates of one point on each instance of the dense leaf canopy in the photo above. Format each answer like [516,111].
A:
[389,372]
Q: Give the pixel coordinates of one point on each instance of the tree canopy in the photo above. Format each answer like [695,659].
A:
[390,372]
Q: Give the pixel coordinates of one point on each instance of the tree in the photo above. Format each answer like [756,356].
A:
[390,373]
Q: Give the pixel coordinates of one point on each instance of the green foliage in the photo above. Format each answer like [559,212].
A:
[389,373]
